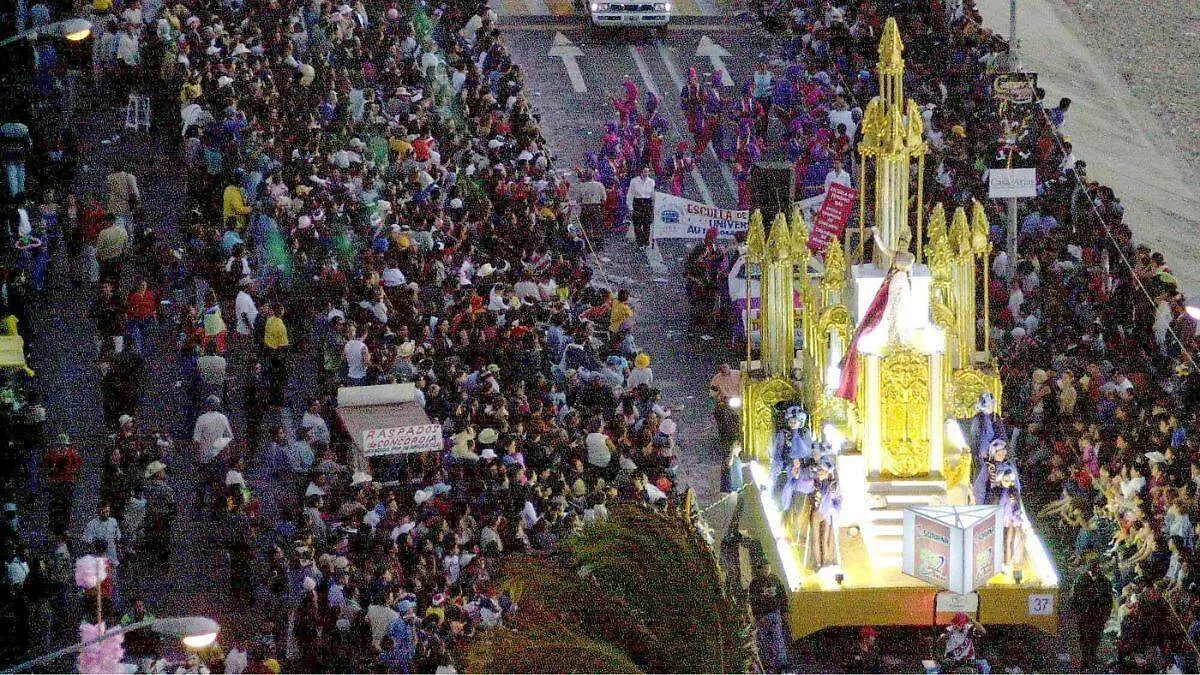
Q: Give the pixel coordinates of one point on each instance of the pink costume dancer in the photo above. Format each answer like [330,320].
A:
[681,164]
[627,109]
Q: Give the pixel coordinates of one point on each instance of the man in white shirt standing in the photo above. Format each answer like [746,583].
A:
[641,203]
[211,434]
[837,174]
[245,309]
[313,421]
[357,357]
[104,528]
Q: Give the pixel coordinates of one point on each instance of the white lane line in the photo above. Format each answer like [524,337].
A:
[708,8]
[538,7]
[673,71]
[568,52]
[644,71]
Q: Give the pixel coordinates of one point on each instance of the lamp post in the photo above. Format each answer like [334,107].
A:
[1013,66]
[71,29]
[196,632]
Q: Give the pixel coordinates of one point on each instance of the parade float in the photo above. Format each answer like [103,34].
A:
[878,480]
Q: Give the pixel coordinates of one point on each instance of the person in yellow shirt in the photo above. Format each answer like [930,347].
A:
[190,91]
[275,333]
[235,206]
[398,143]
[620,317]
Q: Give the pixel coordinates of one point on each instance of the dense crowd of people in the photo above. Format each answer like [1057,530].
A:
[1091,331]
[368,202]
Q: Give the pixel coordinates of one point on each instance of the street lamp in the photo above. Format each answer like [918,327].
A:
[196,632]
[72,29]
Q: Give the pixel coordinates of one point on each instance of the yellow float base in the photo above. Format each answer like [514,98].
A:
[883,595]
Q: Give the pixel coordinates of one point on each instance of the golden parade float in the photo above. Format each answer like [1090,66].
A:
[877,477]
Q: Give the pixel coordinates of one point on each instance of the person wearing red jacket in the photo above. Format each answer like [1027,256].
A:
[141,309]
[91,221]
[62,464]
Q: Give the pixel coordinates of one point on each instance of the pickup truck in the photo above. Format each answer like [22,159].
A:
[630,13]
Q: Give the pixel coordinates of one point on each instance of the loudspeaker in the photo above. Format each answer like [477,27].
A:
[772,189]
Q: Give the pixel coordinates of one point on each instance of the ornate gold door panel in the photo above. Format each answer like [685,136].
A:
[904,412]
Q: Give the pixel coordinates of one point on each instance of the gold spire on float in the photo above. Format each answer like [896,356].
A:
[893,136]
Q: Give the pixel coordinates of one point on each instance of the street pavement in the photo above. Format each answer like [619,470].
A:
[687,353]
[63,352]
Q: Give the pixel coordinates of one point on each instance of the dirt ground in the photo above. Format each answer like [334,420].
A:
[1154,45]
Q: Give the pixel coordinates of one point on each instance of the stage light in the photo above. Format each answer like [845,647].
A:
[834,437]
[787,554]
[954,434]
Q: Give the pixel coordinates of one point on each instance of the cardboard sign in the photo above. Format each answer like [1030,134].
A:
[1015,87]
[955,548]
[932,552]
[679,218]
[949,602]
[832,216]
[984,553]
[1005,183]
[402,440]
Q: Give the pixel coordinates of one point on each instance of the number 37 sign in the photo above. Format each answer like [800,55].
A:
[1040,605]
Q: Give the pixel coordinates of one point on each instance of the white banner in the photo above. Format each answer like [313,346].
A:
[1004,183]
[402,440]
[679,218]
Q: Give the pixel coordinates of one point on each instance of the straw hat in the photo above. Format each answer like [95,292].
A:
[642,360]
[489,436]
[407,348]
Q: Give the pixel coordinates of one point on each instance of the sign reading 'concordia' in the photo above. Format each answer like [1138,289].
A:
[402,440]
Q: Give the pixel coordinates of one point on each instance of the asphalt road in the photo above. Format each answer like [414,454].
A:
[687,354]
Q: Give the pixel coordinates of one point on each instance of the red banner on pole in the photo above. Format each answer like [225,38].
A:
[832,216]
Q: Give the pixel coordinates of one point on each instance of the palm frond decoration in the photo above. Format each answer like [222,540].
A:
[639,592]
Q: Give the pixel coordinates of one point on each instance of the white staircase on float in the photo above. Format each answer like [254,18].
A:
[883,527]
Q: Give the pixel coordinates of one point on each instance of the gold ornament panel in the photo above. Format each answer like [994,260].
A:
[966,386]
[904,408]
[759,413]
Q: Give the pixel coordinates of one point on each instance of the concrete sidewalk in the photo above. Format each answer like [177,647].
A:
[1123,143]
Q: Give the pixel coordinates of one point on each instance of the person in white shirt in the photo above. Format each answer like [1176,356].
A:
[527,289]
[104,528]
[318,429]
[641,203]
[837,174]
[211,427]
[356,356]
[245,309]
[599,450]
[841,114]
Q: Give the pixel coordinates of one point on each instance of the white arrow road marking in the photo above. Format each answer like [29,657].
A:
[568,52]
[716,54]
[673,71]
[644,71]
